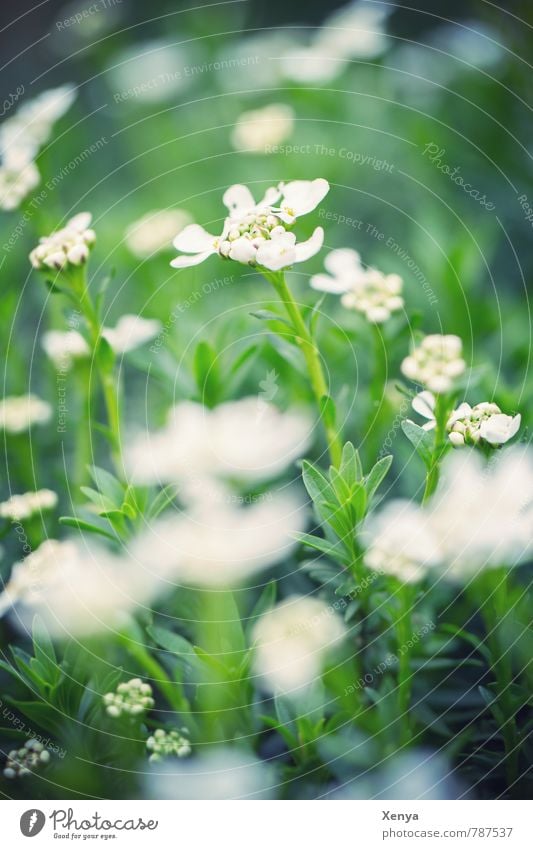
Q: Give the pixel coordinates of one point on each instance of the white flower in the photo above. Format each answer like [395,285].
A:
[133,697]
[221,773]
[18,414]
[17,180]
[131,332]
[251,227]
[424,405]
[401,542]
[292,641]
[244,439]
[220,544]
[484,422]
[436,362]
[66,247]
[369,291]
[75,588]
[63,347]
[155,231]
[483,513]
[23,134]
[165,744]
[259,128]
[20,507]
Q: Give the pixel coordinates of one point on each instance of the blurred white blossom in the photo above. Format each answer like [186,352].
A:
[17,179]
[424,404]
[366,290]
[257,233]
[436,362]
[130,332]
[256,129]
[20,507]
[64,346]
[292,641]
[18,414]
[69,246]
[401,542]
[155,231]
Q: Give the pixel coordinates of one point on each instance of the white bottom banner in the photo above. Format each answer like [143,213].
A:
[267,824]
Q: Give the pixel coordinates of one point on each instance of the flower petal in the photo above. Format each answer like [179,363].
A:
[342,262]
[238,199]
[187,260]
[302,196]
[305,250]
[325,283]
[194,239]
[424,404]
[243,250]
[278,253]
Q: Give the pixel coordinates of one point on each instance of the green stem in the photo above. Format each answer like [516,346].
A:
[495,612]
[433,472]
[312,360]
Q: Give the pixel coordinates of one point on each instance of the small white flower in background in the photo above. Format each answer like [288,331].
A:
[63,347]
[18,414]
[482,514]
[424,404]
[131,332]
[256,129]
[155,231]
[484,422]
[218,543]
[256,233]
[17,180]
[69,246]
[77,589]
[20,507]
[221,773]
[292,641]
[401,542]
[165,744]
[436,362]
[230,441]
[366,290]
[25,761]
[132,697]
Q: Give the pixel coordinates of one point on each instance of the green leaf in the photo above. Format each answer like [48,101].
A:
[101,501]
[269,315]
[316,484]
[162,500]
[335,552]
[207,373]
[265,602]
[376,475]
[420,439]
[173,643]
[108,484]
[351,468]
[105,355]
[82,525]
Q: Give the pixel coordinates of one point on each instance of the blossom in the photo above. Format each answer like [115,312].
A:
[26,760]
[20,507]
[291,643]
[69,246]
[484,422]
[401,542]
[165,744]
[17,179]
[369,291]
[130,332]
[246,439]
[155,231]
[256,233]
[63,347]
[220,544]
[18,414]
[259,128]
[77,589]
[424,405]
[482,513]
[436,362]
[132,697]
[217,773]
[32,124]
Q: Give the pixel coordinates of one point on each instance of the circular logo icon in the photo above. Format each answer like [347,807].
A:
[32,822]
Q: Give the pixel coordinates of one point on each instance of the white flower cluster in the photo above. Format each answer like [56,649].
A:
[436,362]
[132,697]
[26,760]
[20,507]
[366,290]
[21,136]
[69,246]
[292,641]
[166,744]
[483,422]
[18,414]
[155,231]
[468,425]
[130,332]
[258,234]
[259,128]
[480,517]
